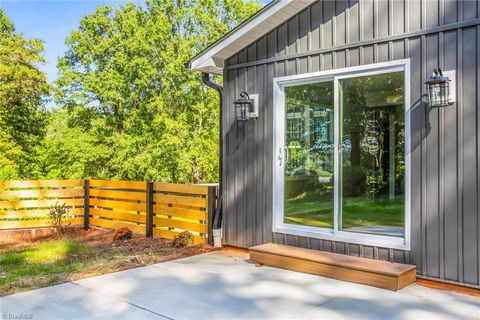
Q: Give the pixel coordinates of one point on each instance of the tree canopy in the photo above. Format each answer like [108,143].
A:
[126,106]
[23,90]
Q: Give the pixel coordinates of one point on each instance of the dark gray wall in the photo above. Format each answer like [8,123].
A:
[336,34]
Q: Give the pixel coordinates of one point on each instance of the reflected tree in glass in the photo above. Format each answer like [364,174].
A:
[372,157]
[309,147]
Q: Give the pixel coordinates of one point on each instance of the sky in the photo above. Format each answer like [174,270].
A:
[52,21]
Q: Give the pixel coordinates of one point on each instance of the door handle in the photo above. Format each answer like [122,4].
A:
[279,157]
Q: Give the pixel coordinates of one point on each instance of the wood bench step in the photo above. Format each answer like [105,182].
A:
[382,274]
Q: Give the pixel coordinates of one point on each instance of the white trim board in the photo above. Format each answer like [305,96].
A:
[211,60]
[336,234]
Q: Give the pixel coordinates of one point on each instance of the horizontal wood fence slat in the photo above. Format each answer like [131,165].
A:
[17,224]
[116,204]
[172,223]
[114,194]
[32,213]
[10,184]
[114,224]
[180,212]
[180,188]
[25,204]
[187,201]
[42,193]
[118,184]
[155,209]
[112,214]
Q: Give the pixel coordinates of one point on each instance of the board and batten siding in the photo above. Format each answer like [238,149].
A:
[445,141]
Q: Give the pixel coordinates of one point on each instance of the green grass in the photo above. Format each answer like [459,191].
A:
[308,209]
[39,265]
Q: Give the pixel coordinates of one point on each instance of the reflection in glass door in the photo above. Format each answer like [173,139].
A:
[309,153]
[340,155]
[372,158]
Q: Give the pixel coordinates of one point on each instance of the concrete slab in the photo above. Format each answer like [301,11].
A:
[225,285]
[69,301]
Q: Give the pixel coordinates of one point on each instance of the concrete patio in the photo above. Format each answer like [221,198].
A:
[225,285]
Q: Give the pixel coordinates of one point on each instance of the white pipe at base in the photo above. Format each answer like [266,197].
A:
[217,238]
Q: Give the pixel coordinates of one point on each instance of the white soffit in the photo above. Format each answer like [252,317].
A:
[211,60]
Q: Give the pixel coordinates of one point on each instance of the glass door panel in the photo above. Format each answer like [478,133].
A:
[309,155]
[372,158]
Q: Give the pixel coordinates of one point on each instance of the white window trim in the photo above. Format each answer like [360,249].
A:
[279,84]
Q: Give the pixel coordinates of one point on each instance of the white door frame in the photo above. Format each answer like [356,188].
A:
[279,84]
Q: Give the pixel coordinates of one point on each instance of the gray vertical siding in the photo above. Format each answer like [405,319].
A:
[445,145]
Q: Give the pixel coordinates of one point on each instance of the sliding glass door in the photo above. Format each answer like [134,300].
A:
[309,155]
[372,157]
[341,165]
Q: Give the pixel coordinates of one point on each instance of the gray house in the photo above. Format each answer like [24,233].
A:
[337,137]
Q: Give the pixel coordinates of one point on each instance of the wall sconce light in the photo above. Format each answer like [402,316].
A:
[438,89]
[246,107]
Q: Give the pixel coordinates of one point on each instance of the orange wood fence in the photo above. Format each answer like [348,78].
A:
[155,209]
[115,204]
[26,203]
[179,207]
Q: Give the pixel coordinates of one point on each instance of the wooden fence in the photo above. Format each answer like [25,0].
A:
[180,207]
[26,203]
[114,204]
[155,209]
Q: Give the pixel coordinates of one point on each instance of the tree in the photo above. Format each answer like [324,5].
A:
[72,151]
[23,90]
[125,67]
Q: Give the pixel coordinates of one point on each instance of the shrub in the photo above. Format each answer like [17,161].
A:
[122,233]
[183,239]
[58,216]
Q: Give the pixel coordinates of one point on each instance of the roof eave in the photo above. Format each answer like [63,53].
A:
[209,65]
[212,59]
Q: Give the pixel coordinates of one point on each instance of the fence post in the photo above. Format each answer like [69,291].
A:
[212,206]
[149,215]
[86,204]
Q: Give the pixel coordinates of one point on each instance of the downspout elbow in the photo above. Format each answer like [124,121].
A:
[213,85]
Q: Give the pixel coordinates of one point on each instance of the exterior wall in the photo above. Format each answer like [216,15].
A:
[336,34]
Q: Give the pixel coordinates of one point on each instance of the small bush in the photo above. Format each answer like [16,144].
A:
[122,233]
[183,239]
[58,216]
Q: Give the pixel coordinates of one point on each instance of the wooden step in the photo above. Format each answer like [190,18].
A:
[382,274]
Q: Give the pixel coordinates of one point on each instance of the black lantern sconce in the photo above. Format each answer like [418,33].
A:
[438,89]
[245,107]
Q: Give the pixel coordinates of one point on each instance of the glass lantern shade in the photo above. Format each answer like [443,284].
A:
[243,107]
[438,90]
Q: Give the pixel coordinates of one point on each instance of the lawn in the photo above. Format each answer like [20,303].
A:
[59,258]
[314,211]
